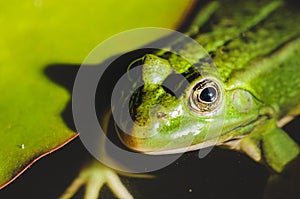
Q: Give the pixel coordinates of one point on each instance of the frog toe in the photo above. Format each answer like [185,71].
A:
[94,177]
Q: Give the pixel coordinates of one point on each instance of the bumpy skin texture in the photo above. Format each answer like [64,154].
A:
[257,60]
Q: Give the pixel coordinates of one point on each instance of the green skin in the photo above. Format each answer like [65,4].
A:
[257,58]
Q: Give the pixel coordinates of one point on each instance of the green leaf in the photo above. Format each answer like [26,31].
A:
[37,33]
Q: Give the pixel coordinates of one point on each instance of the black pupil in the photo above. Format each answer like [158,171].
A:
[208,94]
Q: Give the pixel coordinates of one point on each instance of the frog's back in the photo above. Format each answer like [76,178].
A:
[257,51]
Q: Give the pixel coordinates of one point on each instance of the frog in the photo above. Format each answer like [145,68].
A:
[241,106]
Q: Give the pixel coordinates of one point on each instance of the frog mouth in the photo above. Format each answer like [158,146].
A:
[249,127]
[229,138]
[202,145]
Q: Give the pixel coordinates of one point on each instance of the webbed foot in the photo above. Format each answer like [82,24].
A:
[94,177]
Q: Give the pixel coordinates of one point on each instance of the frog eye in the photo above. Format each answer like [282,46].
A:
[205,97]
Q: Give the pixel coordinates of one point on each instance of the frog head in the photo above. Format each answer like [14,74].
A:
[189,112]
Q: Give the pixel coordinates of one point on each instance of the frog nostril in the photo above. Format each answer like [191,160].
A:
[161,115]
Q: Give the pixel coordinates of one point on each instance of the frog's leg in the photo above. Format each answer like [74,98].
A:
[94,177]
[270,145]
